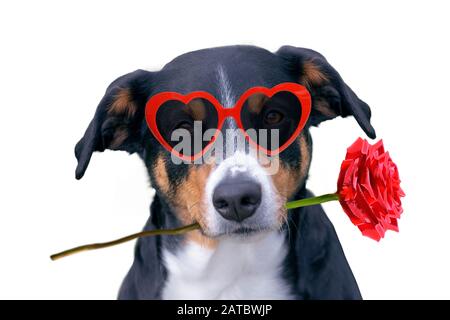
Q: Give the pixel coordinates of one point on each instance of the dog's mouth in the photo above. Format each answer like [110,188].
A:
[246,232]
[239,231]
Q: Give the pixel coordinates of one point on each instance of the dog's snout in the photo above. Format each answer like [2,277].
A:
[237,198]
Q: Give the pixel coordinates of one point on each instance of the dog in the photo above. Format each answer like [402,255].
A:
[258,251]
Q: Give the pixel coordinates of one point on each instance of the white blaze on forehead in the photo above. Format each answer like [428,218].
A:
[227,98]
[233,136]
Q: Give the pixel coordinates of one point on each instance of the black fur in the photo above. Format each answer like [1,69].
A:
[315,266]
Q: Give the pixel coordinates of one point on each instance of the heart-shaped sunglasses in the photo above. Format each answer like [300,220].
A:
[285,108]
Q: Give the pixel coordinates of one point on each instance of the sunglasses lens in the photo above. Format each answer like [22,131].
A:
[271,122]
[187,128]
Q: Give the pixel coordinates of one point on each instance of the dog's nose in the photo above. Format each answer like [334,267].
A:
[237,198]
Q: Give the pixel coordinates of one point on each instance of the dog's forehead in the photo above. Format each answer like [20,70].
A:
[225,72]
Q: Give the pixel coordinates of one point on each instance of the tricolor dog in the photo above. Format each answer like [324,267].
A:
[249,247]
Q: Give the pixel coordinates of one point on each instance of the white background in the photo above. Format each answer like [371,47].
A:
[58,57]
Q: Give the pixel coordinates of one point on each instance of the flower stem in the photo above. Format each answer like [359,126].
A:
[184,229]
[148,233]
[312,201]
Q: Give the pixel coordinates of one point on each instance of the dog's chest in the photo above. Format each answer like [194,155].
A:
[235,269]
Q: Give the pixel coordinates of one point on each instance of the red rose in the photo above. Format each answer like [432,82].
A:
[369,189]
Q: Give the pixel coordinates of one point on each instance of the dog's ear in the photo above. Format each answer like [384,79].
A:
[331,96]
[117,121]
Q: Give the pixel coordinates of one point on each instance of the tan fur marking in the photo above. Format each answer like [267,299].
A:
[123,104]
[287,180]
[197,109]
[324,108]
[312,75]
[256,102]
[190,204]
[305,156]
[161,177]
[120,135]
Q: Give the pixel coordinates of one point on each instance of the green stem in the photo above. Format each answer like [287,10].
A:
[148,233]
[184,229]
[312,201]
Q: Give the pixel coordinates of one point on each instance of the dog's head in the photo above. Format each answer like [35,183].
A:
[236,195]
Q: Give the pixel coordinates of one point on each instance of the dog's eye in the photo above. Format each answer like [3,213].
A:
[273,117]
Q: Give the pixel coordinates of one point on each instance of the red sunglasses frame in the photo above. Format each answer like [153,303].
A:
[156,101]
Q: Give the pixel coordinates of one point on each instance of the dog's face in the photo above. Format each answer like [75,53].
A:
[240,192]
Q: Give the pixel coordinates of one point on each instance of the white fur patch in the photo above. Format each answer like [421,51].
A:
[226,98]
[238,268]
[243,164]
